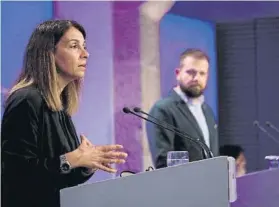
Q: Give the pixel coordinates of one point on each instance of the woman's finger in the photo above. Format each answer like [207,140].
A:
[112,154]
[86,141]
[105,168]
[112,161]
[107,165]
[107,148]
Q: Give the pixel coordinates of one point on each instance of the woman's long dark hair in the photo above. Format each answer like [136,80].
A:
[39,67]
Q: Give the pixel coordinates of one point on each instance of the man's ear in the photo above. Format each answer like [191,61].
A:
[177,70]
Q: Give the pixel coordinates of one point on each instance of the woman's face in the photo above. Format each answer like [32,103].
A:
[71,55]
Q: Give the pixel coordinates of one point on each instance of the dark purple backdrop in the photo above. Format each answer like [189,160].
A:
[222,11]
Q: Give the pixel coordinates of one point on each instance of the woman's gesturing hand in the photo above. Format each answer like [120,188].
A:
[100,157]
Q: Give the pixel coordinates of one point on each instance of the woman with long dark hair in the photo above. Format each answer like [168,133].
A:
[41,152]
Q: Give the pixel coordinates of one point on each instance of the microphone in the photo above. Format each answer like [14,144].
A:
[257,124]
[200,144]
[138,110]
[269,124]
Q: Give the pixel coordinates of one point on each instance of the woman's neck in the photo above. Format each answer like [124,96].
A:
[62,83]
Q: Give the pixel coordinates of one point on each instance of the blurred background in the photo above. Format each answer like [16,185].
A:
[134,48]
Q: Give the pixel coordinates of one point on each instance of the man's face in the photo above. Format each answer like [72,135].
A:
[192,76]
[241,161]
[241,165]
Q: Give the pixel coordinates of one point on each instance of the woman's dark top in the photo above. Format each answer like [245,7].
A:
[33,138]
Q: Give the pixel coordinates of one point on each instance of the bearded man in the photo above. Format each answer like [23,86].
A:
[185,109]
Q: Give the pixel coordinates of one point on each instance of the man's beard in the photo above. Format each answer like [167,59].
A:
[192,91]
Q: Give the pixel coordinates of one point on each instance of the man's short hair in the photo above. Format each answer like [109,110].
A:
[231,150]
[194,52]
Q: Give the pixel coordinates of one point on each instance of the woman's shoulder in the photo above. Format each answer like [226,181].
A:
[28,95]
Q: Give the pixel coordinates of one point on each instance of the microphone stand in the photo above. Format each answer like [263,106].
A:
[269,124]
[257,124]
[200,144]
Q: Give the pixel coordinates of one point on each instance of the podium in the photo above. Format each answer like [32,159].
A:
[258,189]
[196,184]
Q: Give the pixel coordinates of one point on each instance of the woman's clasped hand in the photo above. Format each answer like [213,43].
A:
[96,157]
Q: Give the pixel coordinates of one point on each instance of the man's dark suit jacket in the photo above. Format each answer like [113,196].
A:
[175,111]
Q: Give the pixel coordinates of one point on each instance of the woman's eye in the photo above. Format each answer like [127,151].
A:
[74,46]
